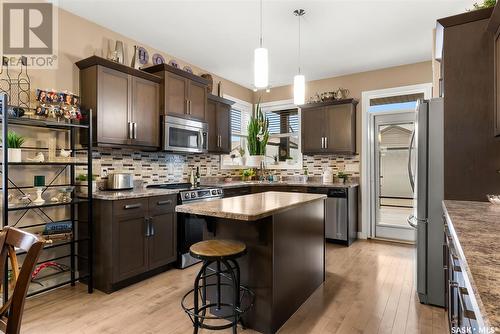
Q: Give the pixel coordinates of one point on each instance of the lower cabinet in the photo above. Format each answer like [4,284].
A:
[134,239]
[458,303]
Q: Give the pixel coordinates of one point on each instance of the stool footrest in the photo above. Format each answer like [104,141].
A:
[245,293]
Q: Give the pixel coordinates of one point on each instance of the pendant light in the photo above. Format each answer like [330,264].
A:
[261,61]
[299,81]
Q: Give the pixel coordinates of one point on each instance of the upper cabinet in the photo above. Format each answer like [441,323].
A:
[124,102]
[182,94]
[329,127]
[494,29]
[219,124]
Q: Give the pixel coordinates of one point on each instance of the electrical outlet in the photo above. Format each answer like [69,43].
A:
[104,172]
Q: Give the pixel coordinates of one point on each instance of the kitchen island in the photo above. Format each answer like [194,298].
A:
[285,238]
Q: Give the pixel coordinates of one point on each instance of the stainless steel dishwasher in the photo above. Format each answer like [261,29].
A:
[336,214]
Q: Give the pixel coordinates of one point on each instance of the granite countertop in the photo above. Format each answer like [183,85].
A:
[475,227]
[112,195]
[237,184]
[249,207]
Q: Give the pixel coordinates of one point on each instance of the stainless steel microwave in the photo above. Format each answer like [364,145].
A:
[184,135]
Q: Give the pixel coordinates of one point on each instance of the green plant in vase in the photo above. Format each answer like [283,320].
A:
[258,136]
[247,174]
[342,177]
[14,143]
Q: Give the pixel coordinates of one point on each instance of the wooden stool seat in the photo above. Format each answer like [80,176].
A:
[217,249]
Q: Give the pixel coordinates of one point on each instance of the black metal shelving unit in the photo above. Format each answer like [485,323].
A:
[23,209]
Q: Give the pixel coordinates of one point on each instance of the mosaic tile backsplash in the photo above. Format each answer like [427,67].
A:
[162,167]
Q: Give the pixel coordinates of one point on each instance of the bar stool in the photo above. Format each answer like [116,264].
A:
[222,253]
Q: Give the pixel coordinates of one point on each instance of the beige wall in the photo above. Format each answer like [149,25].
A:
[357,83]
[80,38]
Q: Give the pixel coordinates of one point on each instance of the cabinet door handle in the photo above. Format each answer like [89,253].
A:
[322,142]
[130,130]
[132,206]
[168,202]
[152,227]
[146,222]
[187,107]
[134,127]
[326,142]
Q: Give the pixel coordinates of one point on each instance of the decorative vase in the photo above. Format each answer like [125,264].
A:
[39,200]
[119,52]
[135,59]
[255,160]
[210,79]
[14,154]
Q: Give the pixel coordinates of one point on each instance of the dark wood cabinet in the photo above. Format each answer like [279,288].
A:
[131,247]
[182,94]
[494,30]
[468,76]
[197,100]
[219,124]
[124,102]
[329,127]
[145,112]
[134,239]
[113,91]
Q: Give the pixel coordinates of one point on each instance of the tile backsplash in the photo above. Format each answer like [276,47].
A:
[162,167]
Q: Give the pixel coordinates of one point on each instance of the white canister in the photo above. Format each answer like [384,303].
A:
[327,176]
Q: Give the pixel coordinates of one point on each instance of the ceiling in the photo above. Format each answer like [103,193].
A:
[338,37]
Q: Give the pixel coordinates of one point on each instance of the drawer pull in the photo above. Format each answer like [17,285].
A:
[132,206]
[167,202]
[467,313]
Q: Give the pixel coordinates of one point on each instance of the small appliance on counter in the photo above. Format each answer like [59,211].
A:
[120,181]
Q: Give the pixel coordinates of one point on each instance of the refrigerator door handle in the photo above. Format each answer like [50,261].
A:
[410,173]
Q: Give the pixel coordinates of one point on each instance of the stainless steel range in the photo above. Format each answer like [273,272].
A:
[190,227]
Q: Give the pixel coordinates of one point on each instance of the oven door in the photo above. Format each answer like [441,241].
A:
[184,138]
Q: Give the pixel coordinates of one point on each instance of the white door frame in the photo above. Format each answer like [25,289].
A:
[367,183]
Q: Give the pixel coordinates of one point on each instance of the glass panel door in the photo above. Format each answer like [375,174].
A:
[393,192]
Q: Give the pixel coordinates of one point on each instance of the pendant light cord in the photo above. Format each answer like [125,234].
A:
[299,43]
[260,23]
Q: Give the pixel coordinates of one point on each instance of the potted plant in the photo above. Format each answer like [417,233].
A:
[14,143]
[342,177]
[82,180]
[258,136]
[247,174]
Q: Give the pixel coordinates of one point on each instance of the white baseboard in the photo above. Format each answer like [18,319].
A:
[362,235]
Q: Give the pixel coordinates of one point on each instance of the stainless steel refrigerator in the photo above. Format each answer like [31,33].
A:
[425,169]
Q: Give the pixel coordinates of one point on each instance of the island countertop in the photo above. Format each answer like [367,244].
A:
[249,207]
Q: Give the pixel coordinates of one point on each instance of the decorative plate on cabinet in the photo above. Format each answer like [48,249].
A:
[143,55]
[158,59]
[173,63]
[188,69]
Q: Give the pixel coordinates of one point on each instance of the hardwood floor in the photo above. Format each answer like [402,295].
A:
[369,289]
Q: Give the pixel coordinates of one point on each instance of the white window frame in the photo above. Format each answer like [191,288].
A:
[246,107]
[243,107]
